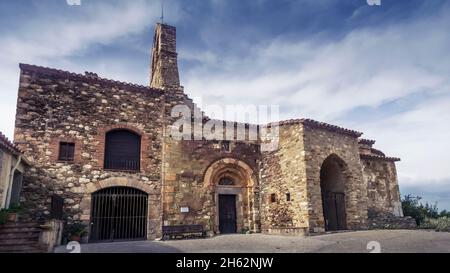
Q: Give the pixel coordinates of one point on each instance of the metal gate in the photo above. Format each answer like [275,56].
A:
[119,214]
[334,211]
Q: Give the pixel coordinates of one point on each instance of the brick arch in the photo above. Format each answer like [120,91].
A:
[119,182]
[123,126]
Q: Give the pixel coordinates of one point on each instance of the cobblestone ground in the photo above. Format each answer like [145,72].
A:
[350,242]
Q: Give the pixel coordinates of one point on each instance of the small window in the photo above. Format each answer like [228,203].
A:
[288,197]
[273,198]
[225,146]
[66,151]
[226,181]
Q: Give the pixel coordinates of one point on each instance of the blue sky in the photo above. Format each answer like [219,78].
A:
[383,70]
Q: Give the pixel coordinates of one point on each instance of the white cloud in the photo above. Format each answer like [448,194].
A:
[53,39]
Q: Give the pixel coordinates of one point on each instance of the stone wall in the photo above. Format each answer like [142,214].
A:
[382,187]
[164,58]
[55,106]
[283,178]
[320,144]
[2,179]
[185,185]
[391,222]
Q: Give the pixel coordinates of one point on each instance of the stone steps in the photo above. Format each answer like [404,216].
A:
[35,248]
[20,235]
[21,238]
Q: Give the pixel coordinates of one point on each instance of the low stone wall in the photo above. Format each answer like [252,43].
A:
[51,234]
[287,231]
[392,222]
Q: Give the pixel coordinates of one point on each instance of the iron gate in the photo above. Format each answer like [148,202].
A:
[119,214]
[334,211]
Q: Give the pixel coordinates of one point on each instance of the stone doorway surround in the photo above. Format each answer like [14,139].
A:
[334,179]
[154,218]
[245,188]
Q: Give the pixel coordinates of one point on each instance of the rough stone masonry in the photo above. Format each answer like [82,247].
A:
[84,134]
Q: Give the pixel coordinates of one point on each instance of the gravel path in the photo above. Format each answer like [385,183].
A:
[389,241]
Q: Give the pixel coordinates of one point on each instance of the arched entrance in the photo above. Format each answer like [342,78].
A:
[332,184]
[232,184]
[119,213]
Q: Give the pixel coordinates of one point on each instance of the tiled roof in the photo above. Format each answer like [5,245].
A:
[88,77]
[378,157]
[7,145]
[366,141]
[322,125]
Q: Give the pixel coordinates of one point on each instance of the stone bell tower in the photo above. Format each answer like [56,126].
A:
[164,72]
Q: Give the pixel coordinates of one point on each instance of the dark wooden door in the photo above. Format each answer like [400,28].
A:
[334,211]
[227,214]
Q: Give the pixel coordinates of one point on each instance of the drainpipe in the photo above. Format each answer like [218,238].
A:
[11,180]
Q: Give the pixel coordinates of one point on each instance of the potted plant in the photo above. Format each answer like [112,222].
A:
[10,215]
[75,231]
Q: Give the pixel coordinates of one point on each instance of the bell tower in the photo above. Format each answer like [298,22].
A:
[164,67]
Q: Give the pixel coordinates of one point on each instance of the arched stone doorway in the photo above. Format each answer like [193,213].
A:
[118,214]
[152,216]
[232,184]
[332,184]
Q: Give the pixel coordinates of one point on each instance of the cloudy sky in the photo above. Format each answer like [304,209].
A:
[383,70]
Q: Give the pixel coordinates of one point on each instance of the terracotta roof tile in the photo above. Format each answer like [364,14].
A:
[366,141]
[378,157]
[322,125]
[6,144]
[87,77]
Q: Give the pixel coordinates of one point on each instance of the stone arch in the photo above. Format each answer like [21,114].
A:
[333,184]
[119,182]
[130,182]
[232,167]
[244,191]
[123,126]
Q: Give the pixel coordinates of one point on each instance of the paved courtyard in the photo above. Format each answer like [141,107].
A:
[389,241]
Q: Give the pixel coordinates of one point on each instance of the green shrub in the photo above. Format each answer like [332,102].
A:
[438,224]
[75,229]
[413,207]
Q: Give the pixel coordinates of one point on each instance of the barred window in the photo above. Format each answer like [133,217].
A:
[122,150]
[66,151]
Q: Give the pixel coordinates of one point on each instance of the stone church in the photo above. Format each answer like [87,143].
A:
[105,147]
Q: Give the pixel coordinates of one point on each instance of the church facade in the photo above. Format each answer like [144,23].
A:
[106,147]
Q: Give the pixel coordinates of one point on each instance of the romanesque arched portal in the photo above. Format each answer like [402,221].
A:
[233,186]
